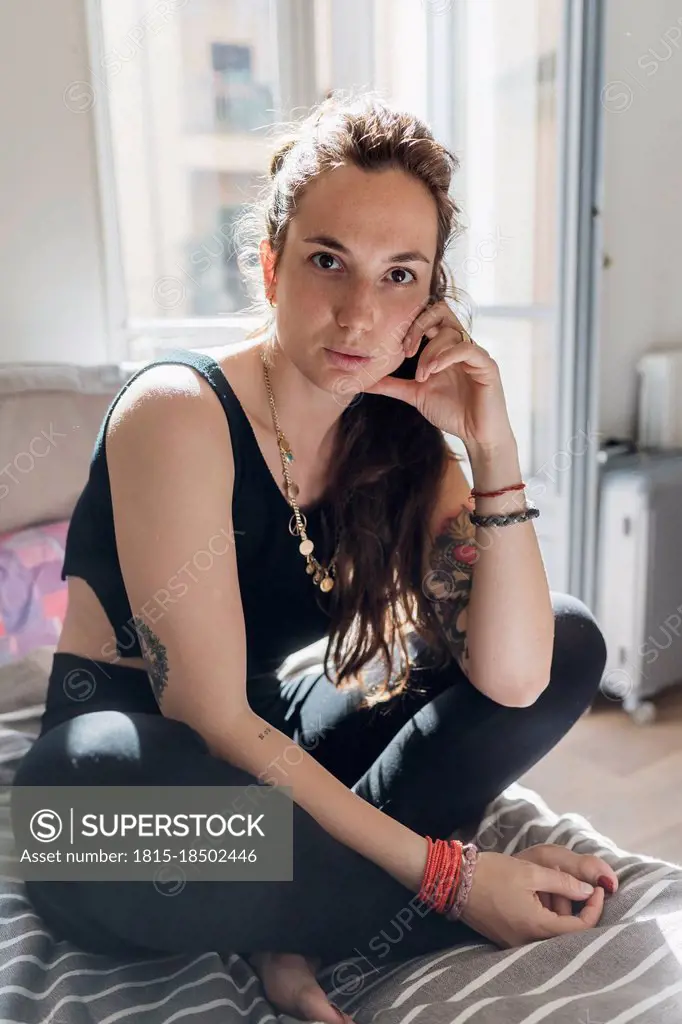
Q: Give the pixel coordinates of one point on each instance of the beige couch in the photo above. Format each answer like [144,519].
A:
[49,418]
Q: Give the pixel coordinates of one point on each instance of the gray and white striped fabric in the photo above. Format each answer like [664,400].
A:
[628,968]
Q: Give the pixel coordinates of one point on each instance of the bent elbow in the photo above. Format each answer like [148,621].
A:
[527,695]
[510,694]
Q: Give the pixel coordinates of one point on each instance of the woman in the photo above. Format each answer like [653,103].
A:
[449,669]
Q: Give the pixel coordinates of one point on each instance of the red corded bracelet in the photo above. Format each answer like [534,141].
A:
[432,855]
[441,874]
[449,892]
[496,494]
[447,874]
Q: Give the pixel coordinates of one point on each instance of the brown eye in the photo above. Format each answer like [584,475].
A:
[325,256]
[402,270]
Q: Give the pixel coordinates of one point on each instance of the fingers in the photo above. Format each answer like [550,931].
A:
[447,350]
[558,905]
[546,900]
[560,882]
[420,325]
[393,387]
[441,340]
[588,917]
[601,869]
[586,866]
[594,906]
[563,906]
[437,315]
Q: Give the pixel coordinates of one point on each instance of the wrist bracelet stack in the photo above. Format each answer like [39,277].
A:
[519,516]
[448,875]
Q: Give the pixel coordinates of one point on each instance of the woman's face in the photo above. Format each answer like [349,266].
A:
[360,299]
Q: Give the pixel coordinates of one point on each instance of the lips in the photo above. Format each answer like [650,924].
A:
[351,355]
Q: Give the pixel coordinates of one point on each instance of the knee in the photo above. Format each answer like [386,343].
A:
[97,746]
[579,646]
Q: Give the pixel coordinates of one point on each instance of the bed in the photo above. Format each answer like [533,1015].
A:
[629,968]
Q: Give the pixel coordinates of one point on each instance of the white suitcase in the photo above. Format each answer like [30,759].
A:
[639,576]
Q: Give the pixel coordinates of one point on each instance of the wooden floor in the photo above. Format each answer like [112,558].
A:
[626,779]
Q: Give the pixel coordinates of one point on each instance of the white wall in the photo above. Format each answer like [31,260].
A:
[641,294]
[52,297]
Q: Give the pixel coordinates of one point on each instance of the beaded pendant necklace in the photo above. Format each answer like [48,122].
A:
[323,576]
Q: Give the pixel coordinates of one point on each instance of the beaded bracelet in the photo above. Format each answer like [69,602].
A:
[530,512]
[470,857]
[441,874]
[448,875]
[449,896]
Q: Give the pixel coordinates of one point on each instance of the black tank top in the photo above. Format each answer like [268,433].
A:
[283,609]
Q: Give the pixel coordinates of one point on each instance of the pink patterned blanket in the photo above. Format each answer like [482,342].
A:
[32,593]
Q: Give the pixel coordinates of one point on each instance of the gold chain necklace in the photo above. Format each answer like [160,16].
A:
[322,576]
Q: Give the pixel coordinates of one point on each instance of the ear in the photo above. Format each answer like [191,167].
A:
[267,262]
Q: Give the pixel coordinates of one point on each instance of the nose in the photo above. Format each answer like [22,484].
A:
[356,312]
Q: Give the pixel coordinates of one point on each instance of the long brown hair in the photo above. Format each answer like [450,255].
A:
[388,460]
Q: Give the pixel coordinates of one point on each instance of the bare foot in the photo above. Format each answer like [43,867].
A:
[290,984]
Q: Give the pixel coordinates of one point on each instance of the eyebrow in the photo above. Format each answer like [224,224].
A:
[399,257]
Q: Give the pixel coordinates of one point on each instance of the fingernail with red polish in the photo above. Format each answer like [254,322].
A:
[606,883]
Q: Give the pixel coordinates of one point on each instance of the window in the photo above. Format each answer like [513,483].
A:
[191,94]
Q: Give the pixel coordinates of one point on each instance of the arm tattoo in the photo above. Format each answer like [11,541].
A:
[452,559]
[154,654]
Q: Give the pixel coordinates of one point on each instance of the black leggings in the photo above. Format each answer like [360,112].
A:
[432,760]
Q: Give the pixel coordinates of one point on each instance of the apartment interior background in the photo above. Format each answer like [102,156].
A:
[132,131]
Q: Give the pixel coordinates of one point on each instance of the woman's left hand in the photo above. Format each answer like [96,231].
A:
[461,390]
[585,866]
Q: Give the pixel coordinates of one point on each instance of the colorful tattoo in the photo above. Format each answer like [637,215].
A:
[452,558]
[154,654]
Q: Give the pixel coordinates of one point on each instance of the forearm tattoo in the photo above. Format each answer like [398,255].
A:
[155,657]
[452,558]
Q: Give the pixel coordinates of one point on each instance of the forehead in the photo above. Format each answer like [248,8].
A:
[385,208]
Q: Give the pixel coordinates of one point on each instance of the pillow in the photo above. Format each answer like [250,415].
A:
[33,597]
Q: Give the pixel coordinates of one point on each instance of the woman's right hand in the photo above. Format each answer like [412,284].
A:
[503,904]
